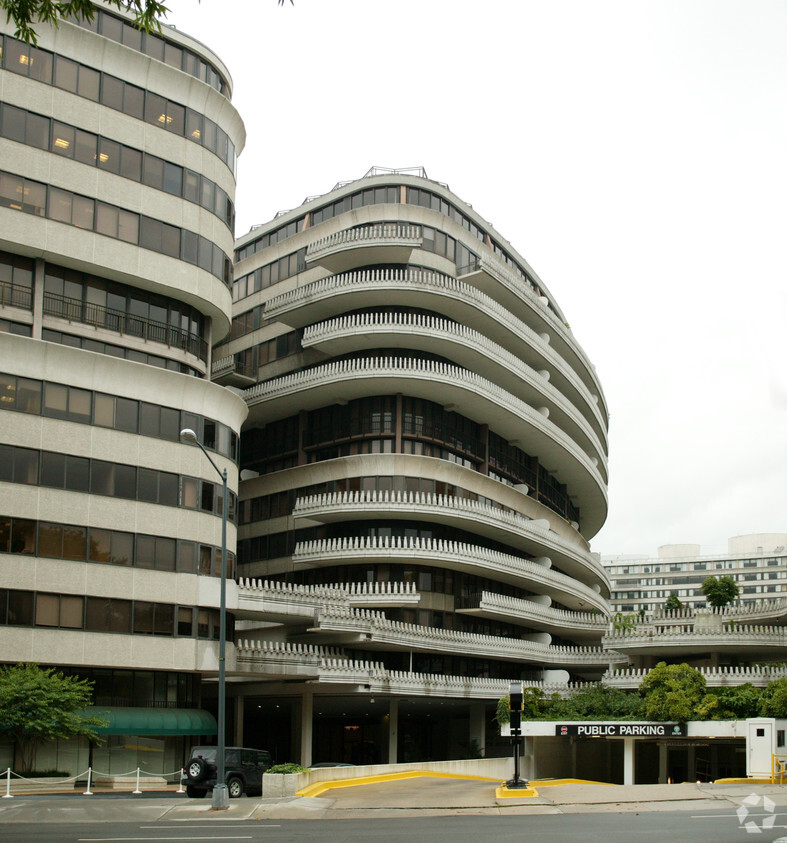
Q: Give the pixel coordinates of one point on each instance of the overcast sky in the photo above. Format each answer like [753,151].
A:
[635,153]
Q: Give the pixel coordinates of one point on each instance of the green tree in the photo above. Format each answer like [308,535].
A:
[671,692]
[720,591]
[624,622]
[26,14]
[773,699]
[595,702]
[673,603]
[39,705]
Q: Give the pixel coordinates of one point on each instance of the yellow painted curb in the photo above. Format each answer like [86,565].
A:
[747,781]
[320,787]
[504,792]
[555,782]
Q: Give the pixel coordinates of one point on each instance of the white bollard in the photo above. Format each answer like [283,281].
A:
[8,784]
[88,792]
[137,790]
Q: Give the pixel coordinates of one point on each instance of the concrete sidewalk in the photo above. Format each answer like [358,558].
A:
[407,797]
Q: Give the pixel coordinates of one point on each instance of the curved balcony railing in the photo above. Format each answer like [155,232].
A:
[482,518]
[759,610]
[99,316]
[507,367]
[378,631]
[327,294]
[370,235]
[12,295]
[539,305]
[326,664]
[690,637]
[263,596]
[715,677]
[471,559]
[588,474]
[512,609]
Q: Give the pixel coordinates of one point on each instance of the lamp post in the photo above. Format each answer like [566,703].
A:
[220,793]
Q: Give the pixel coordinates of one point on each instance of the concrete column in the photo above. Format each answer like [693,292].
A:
[307,714]
[629,745]
[573,759]
[393,731]
[38,298]
[478,726]
[663,755]
[238,701]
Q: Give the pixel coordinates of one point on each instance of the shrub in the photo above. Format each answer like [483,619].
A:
[289,767]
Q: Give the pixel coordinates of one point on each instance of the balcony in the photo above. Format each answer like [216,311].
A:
[629,678]
[501,607]
[689,639]
[466,347]
[322,664]
[12,295]
[354,247]
[453,556]
[330,297]
[480,400]
[525,534]
[75,310]
[373,631]
[231,371]
[282,602]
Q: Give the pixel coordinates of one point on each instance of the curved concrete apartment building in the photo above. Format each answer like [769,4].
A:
[423,465]
[117,181]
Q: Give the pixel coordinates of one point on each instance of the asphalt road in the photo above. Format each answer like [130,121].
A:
[676,827]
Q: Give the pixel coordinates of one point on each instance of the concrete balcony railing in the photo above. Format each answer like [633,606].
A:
[324,664]
[229,371]
[462,302]
[715,677]
[373,630]
[516,291]
[487,604]
[458,556]
[685,638]
[262,598]
[531,536]
[748,612]
[382,243]
[478,397]
[464,346]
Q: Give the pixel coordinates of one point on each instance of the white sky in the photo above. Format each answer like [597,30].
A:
[635,153]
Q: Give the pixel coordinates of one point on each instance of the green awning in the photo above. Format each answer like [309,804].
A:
[154,721]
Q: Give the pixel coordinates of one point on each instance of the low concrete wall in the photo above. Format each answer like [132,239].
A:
[490,768]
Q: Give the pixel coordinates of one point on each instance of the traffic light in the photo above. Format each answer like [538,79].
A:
[516,704]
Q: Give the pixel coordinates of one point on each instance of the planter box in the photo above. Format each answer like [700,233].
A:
[282,784]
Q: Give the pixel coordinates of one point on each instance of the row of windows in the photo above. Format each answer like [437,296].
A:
[464,258]
[155,46]
[59,401]
[112,92]
[32,197]
[80,297]
[110,547]
[277,545]
[269,274]
[99,347]
[282,503]
[154,688]
[106,614]
[369,196]
[96,151]
[250,360]
[427,429]
[9,327]
[771,562]
[117,480]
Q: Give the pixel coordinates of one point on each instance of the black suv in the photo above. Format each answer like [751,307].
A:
[243,770]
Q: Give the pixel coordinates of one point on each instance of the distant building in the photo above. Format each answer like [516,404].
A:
[757,562]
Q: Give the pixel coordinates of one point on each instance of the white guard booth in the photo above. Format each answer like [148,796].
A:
[765,738]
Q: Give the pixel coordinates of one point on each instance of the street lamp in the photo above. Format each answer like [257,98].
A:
[220,793]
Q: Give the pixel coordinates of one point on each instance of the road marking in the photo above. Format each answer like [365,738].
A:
[118,839]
